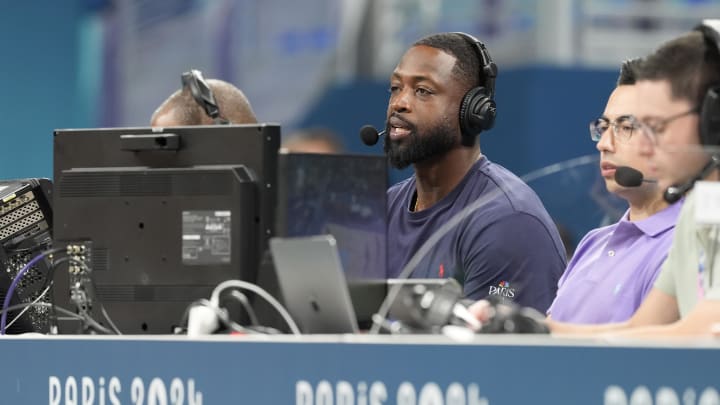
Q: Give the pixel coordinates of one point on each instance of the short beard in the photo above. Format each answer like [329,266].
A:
[417,147]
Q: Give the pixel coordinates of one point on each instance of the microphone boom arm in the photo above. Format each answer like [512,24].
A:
[674,193]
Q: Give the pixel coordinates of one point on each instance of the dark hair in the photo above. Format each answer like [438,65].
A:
[628,71]
[467,60]
[690,63]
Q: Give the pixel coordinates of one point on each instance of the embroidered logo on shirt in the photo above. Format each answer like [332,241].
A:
[502,289]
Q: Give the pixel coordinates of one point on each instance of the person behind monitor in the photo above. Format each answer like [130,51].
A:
[199,99]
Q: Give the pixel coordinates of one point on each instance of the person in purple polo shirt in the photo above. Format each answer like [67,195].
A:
[441,97]
[615,267]
[678,85]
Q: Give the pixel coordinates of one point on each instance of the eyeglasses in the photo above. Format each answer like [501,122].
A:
[625,126]
[622,128]
[656,126]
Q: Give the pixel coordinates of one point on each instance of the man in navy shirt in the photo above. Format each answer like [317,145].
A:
[441,97]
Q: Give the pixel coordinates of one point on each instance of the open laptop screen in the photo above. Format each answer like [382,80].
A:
[313,287]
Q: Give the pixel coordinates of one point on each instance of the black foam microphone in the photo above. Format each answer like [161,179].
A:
[424,309]
[370,135]
[674,193]
[626,176]
[509,317]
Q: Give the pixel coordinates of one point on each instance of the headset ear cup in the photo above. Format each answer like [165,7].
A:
[465,126]
[477,112]
[487,110]
[710,117]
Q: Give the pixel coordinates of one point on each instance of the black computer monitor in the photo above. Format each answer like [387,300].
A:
[340,195]
[166,213]
[344,196]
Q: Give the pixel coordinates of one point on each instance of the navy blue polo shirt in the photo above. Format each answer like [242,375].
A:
[508,247]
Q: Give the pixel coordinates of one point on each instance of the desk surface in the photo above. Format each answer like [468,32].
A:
[357,369]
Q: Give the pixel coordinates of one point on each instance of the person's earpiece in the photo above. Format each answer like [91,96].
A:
[203,95]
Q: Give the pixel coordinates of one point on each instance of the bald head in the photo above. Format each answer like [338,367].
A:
[181,109]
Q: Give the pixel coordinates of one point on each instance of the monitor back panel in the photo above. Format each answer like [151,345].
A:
[252,146]
[154,240]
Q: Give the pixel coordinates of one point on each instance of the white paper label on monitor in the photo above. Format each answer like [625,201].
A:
[206,237]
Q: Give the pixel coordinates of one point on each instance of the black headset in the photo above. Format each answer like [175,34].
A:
[709,118]
[203,95]
[478,110]
[710,108]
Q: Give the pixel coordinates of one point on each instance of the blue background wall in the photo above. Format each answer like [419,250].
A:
[543,114]
[38,66]
[543,111]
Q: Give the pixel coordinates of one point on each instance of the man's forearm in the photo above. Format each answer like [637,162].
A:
[562,328]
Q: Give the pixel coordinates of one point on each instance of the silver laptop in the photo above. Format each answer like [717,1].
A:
[313,285]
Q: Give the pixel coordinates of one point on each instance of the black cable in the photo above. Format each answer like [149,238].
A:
[86,315]
[41,304]
[27,249]
[49,282]
[66,259]
[95,325]
[102,307]
[109,321]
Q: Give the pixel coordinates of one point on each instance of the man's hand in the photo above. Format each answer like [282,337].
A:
[715,329]
[482,310]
